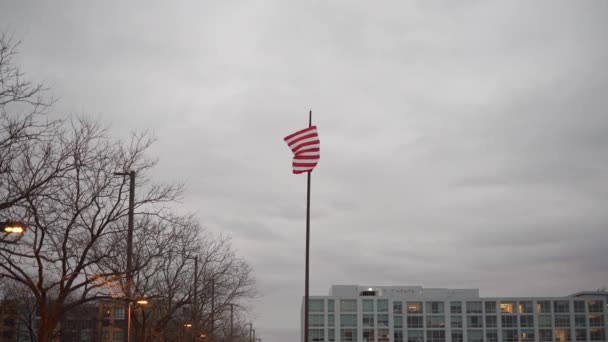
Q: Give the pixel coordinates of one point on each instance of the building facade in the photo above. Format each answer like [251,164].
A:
[352,313]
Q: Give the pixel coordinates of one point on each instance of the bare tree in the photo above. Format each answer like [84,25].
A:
[72,226]
[24,130]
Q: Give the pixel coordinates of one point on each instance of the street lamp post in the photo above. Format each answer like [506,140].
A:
[131,215]
[250,330]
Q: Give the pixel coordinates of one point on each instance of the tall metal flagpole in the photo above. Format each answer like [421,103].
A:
[307,245]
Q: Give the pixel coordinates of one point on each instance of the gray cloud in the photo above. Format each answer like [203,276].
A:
[464,143]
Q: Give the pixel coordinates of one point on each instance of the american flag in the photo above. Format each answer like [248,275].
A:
[305,147]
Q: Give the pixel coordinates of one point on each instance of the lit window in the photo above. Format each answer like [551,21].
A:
[562,334]
[507,307]
[527,335]
[543,306]
[414,307]
[525,307]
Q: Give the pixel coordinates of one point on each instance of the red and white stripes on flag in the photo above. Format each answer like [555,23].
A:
[305,147]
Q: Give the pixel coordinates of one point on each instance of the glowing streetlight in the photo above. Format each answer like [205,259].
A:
[142,301]
[188,325]
[12,227]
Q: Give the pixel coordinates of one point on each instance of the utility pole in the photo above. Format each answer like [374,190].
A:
[254,335]
[131,217]
[212,309]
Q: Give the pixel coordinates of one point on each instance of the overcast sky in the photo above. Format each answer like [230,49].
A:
[463,143]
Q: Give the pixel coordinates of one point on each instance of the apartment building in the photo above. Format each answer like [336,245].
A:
[415,314]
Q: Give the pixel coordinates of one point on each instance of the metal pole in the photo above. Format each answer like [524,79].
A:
[128,321]
[250,331]
[254,334]
[195,304]
[307,246]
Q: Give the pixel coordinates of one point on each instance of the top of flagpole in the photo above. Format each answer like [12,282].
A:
[310,118]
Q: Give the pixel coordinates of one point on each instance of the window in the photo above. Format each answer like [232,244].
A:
[316,335]
[398,336]
[475,335]
[456,335]
[414,308]
[348,305]
[119,313]
[527,335]
[348,335]
[456,321]
[383,335]
[473,307]
[382,305]
[368,335]
[118,335]
[491,322]
[368,320]
[596,320]
[435,322]
[316,320]
[562,320]
[348,320]
[491,336]
[435,336]
[596,306]
[85,335]
[331,320]
[580,321]
[415,336]
[544,321]
[509,335]
[562,334]
[597,334]
[474,321]
[455,307]
[579,306]
[382,320]
[316,305]
[415,322]
[397,308]
[543,306]
[561,306]
[434,308]
[525,307]
[545,335]
[509,321]
[526,321]
[398,322]
[581,334]
[368,305]
[331,333]
[507,307]
[105,336]
[490,307]
[330,305]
